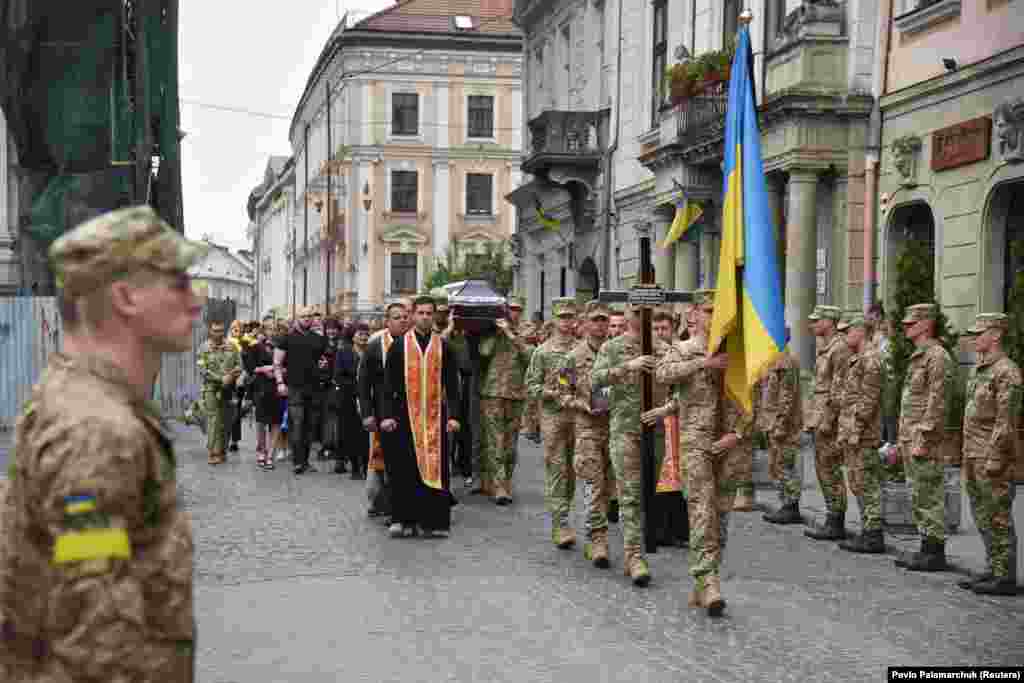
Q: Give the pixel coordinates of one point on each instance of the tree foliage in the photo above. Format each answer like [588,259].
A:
[494,265]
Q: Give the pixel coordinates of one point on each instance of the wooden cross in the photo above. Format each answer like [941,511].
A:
[646,295]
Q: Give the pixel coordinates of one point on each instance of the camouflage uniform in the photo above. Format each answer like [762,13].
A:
[930,378]
[990,421]
[529,425]
[214,362]
[704,416]
[860,433]
[625,428]
[506,358]
[779,412]
[95,553]
[591,462]
[556,426]
[829,367]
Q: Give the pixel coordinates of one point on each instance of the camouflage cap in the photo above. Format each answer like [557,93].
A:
[825,313]
[842,325]
[616,309]
[440,297]
[857,321]
[514,301]
[666,310]
[596,309]
[704,297]
[987,321]
[563,306]
[921,312]
[117,244]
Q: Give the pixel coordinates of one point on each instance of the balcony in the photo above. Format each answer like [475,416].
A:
[700,118]
[573,139]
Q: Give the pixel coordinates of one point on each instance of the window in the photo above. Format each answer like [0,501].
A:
[403,273]
[479,188]
[404,196]
[658,61]
[481,116]
[405,114]
[731,21]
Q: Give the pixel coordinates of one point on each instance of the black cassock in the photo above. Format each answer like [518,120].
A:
[412,501]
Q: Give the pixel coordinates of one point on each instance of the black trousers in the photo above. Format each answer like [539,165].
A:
[302,410]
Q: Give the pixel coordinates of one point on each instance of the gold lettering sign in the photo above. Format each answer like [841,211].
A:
[964,143]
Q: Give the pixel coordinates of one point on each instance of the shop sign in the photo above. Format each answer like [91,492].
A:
[964,143]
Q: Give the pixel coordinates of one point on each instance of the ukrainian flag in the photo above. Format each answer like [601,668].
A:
[687,213]
[749,317]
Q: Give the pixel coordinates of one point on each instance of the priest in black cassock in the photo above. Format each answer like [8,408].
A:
[420,408]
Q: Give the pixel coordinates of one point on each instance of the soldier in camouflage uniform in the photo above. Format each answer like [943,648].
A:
[993,408]
[779,412]
[95,552]
[505,357]
[832,358]
[860,434]
[529,426]
[591,461]
[219,366]
[929,380]
[556,425]
[618,365]
[616,327]
[711,429]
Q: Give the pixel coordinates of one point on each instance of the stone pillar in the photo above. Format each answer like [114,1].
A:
[442,209]
[801,261]
[664,259]
[686,269]
[776,201]
[10,277]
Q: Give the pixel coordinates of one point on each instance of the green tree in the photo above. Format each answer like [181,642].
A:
[494,265]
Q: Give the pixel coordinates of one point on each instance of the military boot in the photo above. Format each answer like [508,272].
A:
[563,537]
[613,511]
[696,598]
[932,557]
[787,514]
[713,601]
[744,502]
[635,566]
[501,494]
[997,585]
[868,541]
[970,582]
[599,549]
[831,530]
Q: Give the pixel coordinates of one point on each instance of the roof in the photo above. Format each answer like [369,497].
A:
[438,16]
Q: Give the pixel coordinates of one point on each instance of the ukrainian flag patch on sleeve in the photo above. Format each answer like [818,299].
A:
[89,535]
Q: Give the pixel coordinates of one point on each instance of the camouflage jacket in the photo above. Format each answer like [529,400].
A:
[860,419]
[829,368]
[576,391]
[993,404]
[664,393]
[698,389]
[95,552]
[777,403]
[542,376]
[505,370]
[929,380]
[216,361]
[626,387]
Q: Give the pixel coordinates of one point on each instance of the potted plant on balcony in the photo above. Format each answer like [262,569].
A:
[714,67]
[678,83]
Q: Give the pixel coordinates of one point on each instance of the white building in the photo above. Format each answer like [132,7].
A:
[226,275]
[272,217]
[10,270]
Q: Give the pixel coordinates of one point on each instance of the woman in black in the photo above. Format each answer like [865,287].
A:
[266,403]
[331,421]
[346,368]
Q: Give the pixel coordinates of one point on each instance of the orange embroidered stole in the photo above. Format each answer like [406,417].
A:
[423,395]
[376,462]
[669,481]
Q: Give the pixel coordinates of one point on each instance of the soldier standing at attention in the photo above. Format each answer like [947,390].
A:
[556,425]
[95,553]
[994,395]
[505,358]
[860,434]
[529,426]
[616,327]
[219,366]
[832,358]
[930,375]
[780,412]
[618,365]
[591,460]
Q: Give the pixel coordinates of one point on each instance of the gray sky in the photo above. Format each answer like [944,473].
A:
[243,55]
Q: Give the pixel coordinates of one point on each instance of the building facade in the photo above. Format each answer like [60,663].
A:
[10,269]
[406,138]
[271,230]
[223,274]
[953,133]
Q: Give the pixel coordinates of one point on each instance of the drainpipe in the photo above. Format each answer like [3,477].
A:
[874,151]
[608,168]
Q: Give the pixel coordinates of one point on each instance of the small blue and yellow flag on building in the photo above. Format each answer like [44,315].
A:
[749,319]
[545,220]
[687,213]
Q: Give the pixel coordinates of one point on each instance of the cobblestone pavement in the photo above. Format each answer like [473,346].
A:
[295,584]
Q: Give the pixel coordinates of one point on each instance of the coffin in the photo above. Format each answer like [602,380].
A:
[475,306]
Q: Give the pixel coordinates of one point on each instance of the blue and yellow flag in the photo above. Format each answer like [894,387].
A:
[749,317]
[687,213]
[545,220]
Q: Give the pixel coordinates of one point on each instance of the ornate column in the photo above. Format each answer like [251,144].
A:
[9,270]
[442,210]
[801,261]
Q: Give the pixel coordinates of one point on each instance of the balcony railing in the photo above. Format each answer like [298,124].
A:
[566,137]
[699,118]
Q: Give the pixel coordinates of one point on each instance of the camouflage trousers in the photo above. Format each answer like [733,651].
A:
[559,479]
[499,429]
[864,469]
[591,463]
[626,459]
[927,494]
[711,488]
[213,408]
[530,423]
[991,501]
[745,468]
[783,467]
[828,463]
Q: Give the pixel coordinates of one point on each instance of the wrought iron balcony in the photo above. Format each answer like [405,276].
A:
[700,118]
[567,138]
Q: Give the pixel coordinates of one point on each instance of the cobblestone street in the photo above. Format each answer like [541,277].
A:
[294,583]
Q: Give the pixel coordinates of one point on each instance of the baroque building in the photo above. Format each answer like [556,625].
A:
[406,137]
[271,210]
